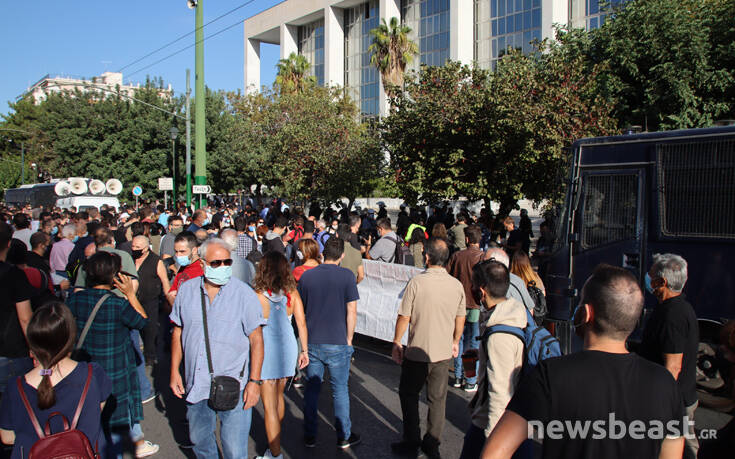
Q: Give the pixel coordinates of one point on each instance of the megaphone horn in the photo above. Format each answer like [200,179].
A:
[96,187]
[114,186]
[62,188]
[78,185]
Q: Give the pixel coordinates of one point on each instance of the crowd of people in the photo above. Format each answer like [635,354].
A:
[245,298]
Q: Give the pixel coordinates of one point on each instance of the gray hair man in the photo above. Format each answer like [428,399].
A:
[241,268]
[671,336]
[517,289]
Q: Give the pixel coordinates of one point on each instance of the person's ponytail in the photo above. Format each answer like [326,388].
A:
[51,334]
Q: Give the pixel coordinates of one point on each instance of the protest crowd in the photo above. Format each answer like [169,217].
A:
[250,300]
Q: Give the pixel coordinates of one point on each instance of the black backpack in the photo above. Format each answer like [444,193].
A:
[539,303]
[402,255]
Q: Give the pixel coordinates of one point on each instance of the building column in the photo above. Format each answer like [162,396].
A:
[334,46]
[252,65]
[289,36]
[461,27]
[553,12]
[387,9]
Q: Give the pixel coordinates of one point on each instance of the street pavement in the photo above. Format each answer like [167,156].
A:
[375,413]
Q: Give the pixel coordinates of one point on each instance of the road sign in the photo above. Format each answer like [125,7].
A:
[137,190]
[201,189]
[165,184]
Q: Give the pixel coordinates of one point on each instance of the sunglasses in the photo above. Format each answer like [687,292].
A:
[218,263]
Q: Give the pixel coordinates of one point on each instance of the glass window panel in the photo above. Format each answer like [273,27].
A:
[526,19]
[594,7]
[526,4]
[537,3]
[536,18]
[501,26]
[593,23]
[495,27]
[501,7]
[519,5]
[494,8]
[495,49]
[509,6]
[519,22]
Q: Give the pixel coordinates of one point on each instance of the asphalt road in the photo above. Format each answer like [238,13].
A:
[375,413]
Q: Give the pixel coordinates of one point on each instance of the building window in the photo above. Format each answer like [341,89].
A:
[503,24]
[590,14]
[311,46]
[429,21]
[361,78]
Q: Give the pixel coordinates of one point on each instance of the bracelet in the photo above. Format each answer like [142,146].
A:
[256,381]
[305,351]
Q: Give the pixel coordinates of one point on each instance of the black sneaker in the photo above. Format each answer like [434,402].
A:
[406,448]
[310,442]
[431,451]
[348,442]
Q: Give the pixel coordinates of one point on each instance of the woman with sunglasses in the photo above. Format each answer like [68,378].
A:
[279,298]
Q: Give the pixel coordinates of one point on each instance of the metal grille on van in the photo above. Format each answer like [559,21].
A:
[610,208]
[697,189]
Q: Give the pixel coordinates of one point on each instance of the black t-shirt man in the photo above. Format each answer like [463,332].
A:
[593,387]
[14,288]
[672,329]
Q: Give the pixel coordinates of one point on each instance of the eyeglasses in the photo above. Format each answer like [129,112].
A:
[218,263]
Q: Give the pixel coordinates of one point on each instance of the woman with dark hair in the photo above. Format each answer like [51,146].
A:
[279,298]
[310,249]
[439,231]
[416,246]
[55,384]
[108,343]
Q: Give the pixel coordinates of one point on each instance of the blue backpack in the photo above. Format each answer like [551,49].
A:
[538,343]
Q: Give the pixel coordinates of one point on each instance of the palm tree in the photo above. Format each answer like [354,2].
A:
[392,51]
[293,75]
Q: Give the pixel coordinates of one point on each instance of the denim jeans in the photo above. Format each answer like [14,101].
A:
[335,357]
[12,368]
[113,447]
[146,388]
[234,430]
[468,341]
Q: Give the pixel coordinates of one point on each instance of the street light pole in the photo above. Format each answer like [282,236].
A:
[174,133]
[200,173]
[22,163]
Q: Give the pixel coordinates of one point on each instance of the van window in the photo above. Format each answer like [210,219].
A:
[696,182]
[610,208]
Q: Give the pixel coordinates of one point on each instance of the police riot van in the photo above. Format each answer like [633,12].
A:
[78,193]
[631,196]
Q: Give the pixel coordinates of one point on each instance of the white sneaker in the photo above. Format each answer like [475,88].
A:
[269,455]
[146,449]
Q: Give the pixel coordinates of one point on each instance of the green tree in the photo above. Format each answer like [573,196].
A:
[293,74]
[390,52]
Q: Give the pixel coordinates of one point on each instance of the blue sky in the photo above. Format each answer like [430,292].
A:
[86,38]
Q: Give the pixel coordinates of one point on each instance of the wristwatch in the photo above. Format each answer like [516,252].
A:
[256,381]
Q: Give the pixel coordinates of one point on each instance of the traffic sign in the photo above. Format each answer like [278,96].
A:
[201,189]
[137,190]
[165,184]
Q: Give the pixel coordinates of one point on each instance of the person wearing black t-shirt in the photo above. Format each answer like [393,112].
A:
[602,402]
[15,313]
[671,335]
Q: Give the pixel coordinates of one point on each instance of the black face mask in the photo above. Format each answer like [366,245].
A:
[137,254]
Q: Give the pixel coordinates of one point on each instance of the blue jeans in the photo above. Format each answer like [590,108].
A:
[335,357]
[234,430]
[12,368]
[113,447]
[146,388]
[468,341]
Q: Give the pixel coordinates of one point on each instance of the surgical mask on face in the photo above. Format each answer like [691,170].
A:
[251,229]
[76,238]
[137,254]
[183,260]
[175,230]
[206,222]
[649,288]
[334,227]
[54,230]
[218,276]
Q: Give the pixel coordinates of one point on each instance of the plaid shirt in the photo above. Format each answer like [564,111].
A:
[108,343]
[245,245]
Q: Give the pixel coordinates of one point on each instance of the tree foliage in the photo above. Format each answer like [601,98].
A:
[293,74]
[390,52]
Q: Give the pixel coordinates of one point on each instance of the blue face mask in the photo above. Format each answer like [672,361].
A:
[649,288]
[183,260]
[218,276]
[251,229]
[54,230]
[206,222]
[76,238]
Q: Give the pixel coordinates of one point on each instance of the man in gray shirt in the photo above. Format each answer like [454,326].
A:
[385,247]
[242,269]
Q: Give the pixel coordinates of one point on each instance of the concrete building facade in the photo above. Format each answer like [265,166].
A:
[108,82]
[334,35]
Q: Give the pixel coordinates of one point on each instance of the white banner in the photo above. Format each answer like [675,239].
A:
[381,292]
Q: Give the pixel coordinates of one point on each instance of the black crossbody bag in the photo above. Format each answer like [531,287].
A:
[224,391]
